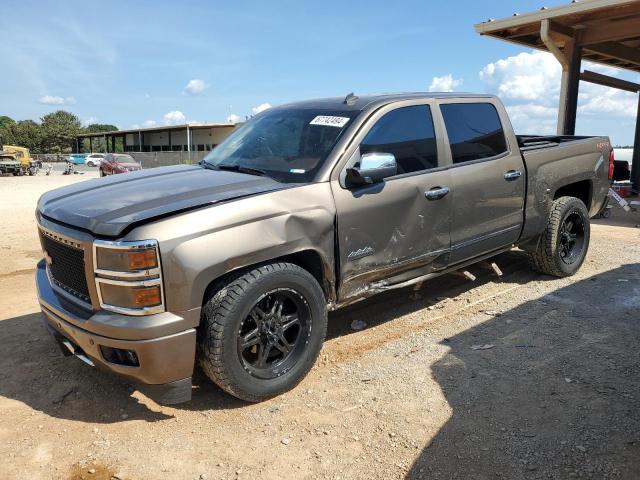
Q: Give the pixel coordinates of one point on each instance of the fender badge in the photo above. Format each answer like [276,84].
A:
[361,252]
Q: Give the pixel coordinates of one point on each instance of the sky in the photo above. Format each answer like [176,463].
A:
[151,63]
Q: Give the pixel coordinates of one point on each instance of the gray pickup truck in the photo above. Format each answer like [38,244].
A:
[233,264]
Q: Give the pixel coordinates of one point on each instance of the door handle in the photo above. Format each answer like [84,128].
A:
[512,175]
[436,193]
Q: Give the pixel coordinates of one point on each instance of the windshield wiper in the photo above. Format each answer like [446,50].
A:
[206,165]
[241,169]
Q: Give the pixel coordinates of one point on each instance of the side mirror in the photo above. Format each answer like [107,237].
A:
[374,167]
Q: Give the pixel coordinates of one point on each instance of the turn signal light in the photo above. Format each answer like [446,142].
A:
[611,164]
[142,260]
[146,296]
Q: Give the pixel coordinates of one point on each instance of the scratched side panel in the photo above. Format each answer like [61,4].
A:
[390,228]
[551,168]
[200,246]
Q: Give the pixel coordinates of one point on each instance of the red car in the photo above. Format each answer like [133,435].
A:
[118,163]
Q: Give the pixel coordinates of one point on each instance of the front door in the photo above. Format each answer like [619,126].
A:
[488,179]
[399,226]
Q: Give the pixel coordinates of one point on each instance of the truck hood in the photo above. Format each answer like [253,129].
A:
[108,206]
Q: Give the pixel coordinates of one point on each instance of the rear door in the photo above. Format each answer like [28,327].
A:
[391,228]
[487,175]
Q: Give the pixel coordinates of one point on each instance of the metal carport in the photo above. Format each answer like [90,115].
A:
[601,31]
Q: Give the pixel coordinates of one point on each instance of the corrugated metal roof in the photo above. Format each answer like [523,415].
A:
[607,30]
[165,128]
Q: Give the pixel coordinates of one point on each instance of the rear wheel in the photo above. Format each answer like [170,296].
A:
[261,332]
[564,243]
[101,173]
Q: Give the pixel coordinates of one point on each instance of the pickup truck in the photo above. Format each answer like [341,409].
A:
[233,264]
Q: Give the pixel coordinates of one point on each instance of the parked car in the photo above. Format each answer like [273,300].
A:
[9,164]
[28,165]
[94,159]
[77,158]
[235,262]
[114,163]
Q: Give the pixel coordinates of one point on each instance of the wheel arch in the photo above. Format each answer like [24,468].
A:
[582,190]
[309,259]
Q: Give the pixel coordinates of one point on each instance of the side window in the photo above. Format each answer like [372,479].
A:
[409,135]
[474,131]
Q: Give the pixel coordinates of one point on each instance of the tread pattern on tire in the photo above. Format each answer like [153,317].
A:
[217,310]
[544,259]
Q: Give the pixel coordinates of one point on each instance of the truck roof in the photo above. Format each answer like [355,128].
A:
[360,102]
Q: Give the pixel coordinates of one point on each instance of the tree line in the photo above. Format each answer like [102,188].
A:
[55,133]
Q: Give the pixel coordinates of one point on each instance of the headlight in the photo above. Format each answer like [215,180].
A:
[128,276]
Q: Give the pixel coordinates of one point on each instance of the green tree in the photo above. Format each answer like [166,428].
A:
[59,132]
[99,128]
[27,133]
[6,134]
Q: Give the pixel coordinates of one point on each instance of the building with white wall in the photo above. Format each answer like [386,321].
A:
[192,137]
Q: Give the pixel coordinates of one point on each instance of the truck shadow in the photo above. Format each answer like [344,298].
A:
[555,394]
[34,372]
[395,303]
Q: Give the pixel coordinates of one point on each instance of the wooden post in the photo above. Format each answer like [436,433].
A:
[574,55]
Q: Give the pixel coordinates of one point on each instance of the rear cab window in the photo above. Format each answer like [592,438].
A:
[475,131]
[407,133]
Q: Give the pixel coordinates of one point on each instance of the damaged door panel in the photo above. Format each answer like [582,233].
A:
[391,228]
[397,228]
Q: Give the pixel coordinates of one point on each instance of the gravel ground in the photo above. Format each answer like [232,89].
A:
[515,377]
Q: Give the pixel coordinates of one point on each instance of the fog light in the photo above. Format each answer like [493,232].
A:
[120,356]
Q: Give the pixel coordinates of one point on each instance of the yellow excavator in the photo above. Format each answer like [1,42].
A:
[21,154]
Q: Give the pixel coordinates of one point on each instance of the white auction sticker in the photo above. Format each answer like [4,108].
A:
[329,121]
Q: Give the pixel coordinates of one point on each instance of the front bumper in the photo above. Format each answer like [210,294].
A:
[165,356]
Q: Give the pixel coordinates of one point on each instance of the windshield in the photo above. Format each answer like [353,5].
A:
[288,145]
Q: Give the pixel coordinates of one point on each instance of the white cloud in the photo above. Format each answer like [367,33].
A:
[524,77]
[149,124]
[445,84]
[195,87]
[175,117]
[89,121]
[51,100]
[56,100]
[261,108]
[233,118]
[529,84]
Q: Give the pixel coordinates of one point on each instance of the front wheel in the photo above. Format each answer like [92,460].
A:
[261,332]
[563,245]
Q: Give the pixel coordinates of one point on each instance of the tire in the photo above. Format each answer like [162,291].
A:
[242,307]
[563,245]
[102,173]
[91,164]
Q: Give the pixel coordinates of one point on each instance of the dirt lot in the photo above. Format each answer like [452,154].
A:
[554,391]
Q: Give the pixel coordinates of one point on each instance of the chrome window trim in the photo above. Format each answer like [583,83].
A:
[138,278]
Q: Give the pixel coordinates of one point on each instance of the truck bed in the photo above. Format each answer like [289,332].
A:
[555,160]
[533,142]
